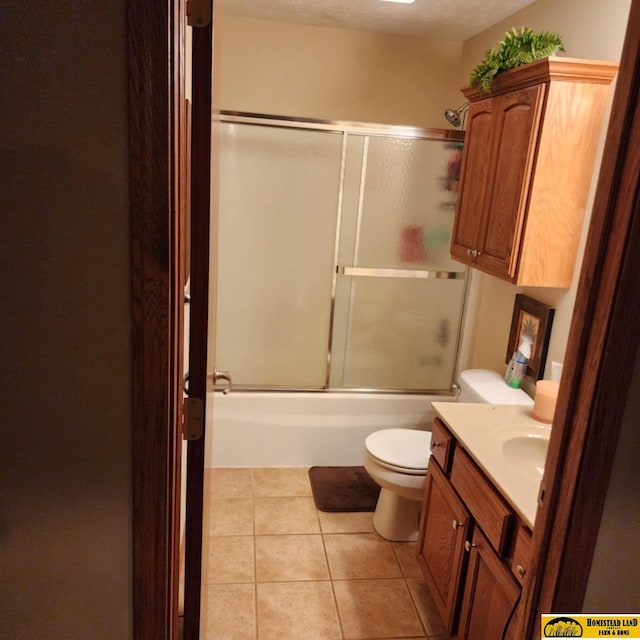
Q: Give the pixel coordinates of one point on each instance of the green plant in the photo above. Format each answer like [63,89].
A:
[520,46]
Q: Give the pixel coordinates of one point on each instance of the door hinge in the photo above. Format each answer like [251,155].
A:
[193,419]
[199,13]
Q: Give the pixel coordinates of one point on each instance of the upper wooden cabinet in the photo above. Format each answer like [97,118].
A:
[526,169]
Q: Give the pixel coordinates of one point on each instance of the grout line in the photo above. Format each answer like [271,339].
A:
[415,606]
[333,590]
[331,579]
[255,559]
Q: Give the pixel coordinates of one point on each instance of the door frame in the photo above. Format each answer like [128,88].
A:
[600,338]
[601,354]
[194,617]
[157,123]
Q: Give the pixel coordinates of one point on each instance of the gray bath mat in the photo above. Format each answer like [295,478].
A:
[343,489]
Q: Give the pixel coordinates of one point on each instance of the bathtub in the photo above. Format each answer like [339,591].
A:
[291,429]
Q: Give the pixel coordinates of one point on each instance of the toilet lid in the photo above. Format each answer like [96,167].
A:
[404,448]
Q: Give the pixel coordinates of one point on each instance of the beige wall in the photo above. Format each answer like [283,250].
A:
[65,416]
[614,581]
[335,74]
[589,29]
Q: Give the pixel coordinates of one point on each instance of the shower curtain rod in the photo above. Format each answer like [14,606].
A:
[356,128]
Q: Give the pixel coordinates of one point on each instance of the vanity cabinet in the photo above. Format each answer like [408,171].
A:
[468,541]
[490,594]
[526,170]
[445,527]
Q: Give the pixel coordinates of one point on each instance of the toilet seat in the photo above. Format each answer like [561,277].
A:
[401,450]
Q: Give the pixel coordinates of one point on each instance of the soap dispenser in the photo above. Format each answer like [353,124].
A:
[518,364]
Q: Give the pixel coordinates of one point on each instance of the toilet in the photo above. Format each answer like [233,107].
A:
[397,459]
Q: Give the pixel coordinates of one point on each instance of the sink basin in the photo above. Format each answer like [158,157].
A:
[526,454]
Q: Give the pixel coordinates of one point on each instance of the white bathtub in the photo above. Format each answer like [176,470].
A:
[269,429]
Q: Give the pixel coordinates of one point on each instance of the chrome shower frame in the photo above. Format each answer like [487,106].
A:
[350,128]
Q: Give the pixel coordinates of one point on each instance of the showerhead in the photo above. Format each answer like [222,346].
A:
[456,117]
[453,117]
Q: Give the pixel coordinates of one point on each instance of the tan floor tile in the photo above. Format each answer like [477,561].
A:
[281,482]
[225,482]
[230,612]
[426,608]
[406,554]
[360,555]
[231,517]
[376,609]
[295,610]
[355,522]
[290,557]
[230,559]
[285,515]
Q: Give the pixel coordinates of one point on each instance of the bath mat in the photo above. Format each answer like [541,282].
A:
[343,489]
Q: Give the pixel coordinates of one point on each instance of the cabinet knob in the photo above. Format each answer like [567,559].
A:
[434,445]
[474,253]
[468,546]
[457,524]
[520,570]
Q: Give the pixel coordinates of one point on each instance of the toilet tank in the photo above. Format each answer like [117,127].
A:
[482,385]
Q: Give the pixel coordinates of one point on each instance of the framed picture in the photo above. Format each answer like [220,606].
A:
[532,319]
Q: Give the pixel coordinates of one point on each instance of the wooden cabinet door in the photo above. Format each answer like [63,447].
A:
[476,175]
[490,595]
[445,525]
[517,117]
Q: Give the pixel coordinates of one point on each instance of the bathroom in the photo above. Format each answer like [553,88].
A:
[253,60]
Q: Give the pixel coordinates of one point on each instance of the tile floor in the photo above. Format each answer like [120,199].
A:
[279,569]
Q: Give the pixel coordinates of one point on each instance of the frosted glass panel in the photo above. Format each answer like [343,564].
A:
[407,204]
[398,333]
[277,214]
[401,333]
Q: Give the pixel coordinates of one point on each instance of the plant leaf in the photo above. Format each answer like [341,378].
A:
[518,47]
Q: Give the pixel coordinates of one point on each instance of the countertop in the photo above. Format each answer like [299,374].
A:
[481,430]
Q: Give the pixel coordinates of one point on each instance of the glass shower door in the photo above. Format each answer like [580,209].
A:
[279,195]
[399,296]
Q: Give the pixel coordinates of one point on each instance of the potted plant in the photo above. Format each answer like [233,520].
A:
[520,46]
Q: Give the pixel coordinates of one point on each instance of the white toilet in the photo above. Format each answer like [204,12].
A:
[397,459]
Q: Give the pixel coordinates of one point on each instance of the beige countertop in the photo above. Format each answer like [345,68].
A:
[507,443]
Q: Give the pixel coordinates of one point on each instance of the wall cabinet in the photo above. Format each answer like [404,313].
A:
[526,170]
[472,548]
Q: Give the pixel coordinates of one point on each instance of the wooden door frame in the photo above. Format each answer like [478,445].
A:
[200,215]
[601,354]
[157,121]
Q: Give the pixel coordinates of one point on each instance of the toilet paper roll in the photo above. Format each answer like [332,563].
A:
[544,405]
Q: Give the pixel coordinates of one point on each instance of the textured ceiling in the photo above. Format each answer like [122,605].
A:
[442,19]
